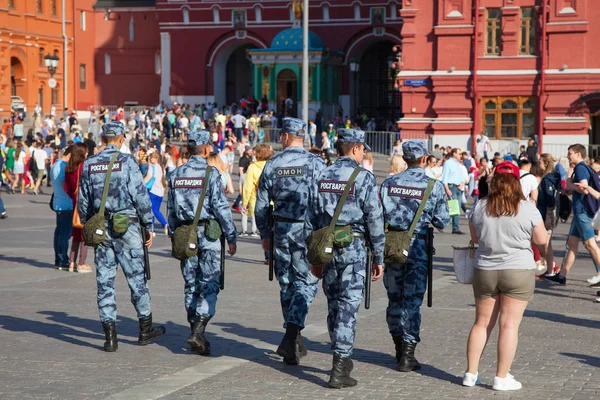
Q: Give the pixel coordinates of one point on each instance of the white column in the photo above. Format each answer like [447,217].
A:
[165,57]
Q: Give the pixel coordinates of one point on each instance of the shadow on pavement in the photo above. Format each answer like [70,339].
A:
[553,317]
[433,372]
[585,359]
[26,261]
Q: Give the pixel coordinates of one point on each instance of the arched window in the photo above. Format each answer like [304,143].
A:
[357,11]
[258,14]
[326,12]
[216,17]
[393,11]
[186,15]
[107,64]
[131,29]
[509,117]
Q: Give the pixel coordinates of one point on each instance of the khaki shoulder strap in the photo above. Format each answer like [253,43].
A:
[415,221]
[202,196]
[107,182]
[340,205]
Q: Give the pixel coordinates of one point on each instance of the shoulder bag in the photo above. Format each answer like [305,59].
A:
[94,230]
[184,242]
[397,243]
[320,243]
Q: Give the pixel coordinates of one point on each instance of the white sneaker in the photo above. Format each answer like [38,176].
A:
[508,383]
[254,235]
[594,279]
[471,380]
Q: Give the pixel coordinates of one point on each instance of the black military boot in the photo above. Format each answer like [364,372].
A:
[340,373]
[149,332]
[302,351]
[289,347]
[399,343]
[110,334]
[197,341]
[407,361]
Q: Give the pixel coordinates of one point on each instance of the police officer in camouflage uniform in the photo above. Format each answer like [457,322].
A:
[127,195]
[406,283]
[344,277]
[201,272]
[286,181]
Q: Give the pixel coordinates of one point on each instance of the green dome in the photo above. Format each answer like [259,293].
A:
[291,40]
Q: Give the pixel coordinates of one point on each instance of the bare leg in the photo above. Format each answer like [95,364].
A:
[510,318]
[572,245]
[486,313]
[594,250]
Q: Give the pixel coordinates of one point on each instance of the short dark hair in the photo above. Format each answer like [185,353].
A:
[523,162]
[344,148]
[578,148]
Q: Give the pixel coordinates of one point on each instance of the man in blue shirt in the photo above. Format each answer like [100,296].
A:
[581,227]
[63,207]
[454,183]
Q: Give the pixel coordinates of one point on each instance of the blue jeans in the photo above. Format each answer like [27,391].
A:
[62,234]
[2,209]
[456,194]
[156,203]
[581,227]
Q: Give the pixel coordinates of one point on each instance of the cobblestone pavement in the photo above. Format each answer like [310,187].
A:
[51,339]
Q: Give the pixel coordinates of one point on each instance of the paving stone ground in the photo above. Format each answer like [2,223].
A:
[51,339]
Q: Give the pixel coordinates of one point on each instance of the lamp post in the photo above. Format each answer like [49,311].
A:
[52,63]
[354,68]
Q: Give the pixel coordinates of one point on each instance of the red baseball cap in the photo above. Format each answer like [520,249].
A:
[507,167]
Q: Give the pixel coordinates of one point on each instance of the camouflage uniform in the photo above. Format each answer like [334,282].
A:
[344,277]
[400,196]
[286,181]
[201,273]
[127,195]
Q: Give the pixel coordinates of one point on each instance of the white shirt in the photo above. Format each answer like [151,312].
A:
[528,183]
[484,142]
[184,123]
[40,158]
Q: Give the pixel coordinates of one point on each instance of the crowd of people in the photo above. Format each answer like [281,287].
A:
[513,201]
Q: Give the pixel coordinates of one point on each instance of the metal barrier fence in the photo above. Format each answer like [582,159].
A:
[383,142]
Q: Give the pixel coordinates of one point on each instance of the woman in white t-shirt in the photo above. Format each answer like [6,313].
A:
[156,175]
[21,153]
[40,156]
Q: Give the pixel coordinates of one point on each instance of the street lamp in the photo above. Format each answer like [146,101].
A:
[52,63]
[355,68]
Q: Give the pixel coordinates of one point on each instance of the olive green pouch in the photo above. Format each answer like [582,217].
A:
[342,236]
[184,242]
[94,230]
[320,243]
[397,243]
[120,223]
[212,230]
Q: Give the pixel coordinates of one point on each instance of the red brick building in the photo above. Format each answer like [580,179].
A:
[510,68]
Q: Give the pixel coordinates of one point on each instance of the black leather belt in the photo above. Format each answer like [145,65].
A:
[289,220]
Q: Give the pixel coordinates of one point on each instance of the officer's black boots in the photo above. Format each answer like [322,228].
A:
[291,347]
[340,373]
[197,341]
[110,334]
[407,361]
[149,332]
[399,343]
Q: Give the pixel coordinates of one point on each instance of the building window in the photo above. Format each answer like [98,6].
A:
[131,29]
[493,31]
[39,6]
[157,66]
[509,117]
[53,8]
[107,64]
[216,17]
[54,96]
[11,4]
[258,14]
[41,56]
[82,77]
[357,12]
[326,12]
[82,20]
[527,31]
[186,15]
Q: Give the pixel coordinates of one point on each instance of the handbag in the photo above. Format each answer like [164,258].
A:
[76,220]
[151,181]
[397,243]
[184,242]
[320,243]
[453,207]
[464,263]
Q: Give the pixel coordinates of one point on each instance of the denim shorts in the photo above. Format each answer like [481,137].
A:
[581,227]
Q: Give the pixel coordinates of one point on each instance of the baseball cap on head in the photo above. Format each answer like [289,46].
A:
[352,136]
[413,149]
[507,167]
[113,129]
[198,138]
[294,126]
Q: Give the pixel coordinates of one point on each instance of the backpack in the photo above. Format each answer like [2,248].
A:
[33,168]
[565,207]
[590,203]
